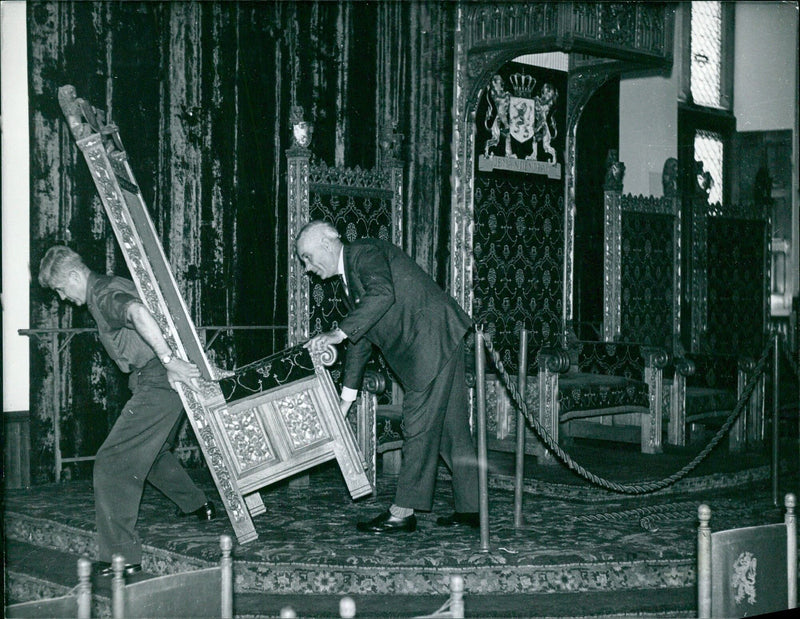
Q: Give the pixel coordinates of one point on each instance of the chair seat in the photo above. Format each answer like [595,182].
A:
[582,391]
[701,401]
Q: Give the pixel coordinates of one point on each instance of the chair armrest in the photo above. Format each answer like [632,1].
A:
[685,367]
[374,382]
[553,360]
[655,357]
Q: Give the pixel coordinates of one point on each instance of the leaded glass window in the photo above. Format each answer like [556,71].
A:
[706,67]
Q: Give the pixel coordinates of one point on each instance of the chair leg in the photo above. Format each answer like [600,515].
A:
[677,412]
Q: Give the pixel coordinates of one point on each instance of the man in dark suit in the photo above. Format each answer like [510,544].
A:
[394,305]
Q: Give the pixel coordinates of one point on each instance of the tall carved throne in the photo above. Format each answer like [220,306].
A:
[600,41]
[359,203]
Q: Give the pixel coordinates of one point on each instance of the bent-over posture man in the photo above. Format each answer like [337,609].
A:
[138,446]
[394,305]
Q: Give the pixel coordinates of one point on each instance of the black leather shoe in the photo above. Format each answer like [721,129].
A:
[469,519]
[105,569]
[386,523]
[206,511]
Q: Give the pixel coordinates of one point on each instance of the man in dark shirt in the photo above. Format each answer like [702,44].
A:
[138,448]
[394,305]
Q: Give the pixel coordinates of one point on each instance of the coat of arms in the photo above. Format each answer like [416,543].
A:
[522,116]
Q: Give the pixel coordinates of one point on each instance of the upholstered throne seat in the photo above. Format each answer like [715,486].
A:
[609,390]
[704,391]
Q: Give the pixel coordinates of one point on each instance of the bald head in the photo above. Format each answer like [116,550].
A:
[318,246]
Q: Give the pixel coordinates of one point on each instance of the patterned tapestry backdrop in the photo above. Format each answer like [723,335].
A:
[519,253]
[646,271]
[201,92]
[735,286]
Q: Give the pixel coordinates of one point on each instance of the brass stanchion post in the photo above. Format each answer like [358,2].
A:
[522,380]
[775,420]
[483,464]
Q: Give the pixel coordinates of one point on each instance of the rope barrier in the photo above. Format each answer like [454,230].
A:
[641,488]
[646,515]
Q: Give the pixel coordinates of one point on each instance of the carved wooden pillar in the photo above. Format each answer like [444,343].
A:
[612,253]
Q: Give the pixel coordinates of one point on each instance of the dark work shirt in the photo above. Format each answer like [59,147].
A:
[108,298]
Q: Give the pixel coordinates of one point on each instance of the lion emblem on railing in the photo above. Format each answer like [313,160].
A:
[520,116]
[743,578]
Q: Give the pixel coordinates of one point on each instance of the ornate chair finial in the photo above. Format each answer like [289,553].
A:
[302,130]
[615,172]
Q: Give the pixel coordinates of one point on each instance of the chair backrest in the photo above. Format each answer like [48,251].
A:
[518,249]
[77,603]
[200,593]
[641,283]
[729,298]
[747,571]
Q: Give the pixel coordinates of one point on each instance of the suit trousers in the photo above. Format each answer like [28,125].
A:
[436,422]
[138,449]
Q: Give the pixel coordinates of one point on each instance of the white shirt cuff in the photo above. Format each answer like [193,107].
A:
[349,395]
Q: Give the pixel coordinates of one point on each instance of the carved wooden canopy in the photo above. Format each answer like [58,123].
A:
[603,40]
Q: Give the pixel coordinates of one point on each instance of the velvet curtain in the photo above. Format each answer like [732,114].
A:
[202,92]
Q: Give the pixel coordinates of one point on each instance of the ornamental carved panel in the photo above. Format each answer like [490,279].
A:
[303,425]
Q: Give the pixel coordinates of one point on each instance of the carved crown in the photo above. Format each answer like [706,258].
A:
[522,85]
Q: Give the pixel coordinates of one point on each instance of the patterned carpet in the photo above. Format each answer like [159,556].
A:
[576,537]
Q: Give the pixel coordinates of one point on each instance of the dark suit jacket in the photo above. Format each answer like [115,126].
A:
[397,307]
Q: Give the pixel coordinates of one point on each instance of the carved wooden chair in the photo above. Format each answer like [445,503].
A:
[747,571]
[729,314]
[259,425]
[359,203]
[78,603]
[206,592]
[608,390]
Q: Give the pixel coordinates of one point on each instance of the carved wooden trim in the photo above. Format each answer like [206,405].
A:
[297,189]
[612,269]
